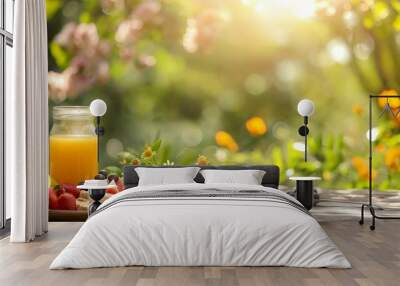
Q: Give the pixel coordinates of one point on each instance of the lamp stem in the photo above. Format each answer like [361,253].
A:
[98,141]
[370,152]
[305,138]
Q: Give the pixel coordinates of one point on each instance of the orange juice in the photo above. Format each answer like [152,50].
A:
[73,158]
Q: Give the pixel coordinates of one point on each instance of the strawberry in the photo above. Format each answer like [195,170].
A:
[66,201]
[120,185]
[113,177]
[59,190]
[53,199]
[71,189]
[112,191]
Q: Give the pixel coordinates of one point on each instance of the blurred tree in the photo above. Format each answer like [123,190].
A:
[186,71]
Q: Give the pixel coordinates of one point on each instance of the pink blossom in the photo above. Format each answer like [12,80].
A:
[110,6]
[77,83]
[128,31]
[82,38]
[126,53]
[103,72]
[57,86]
[190,37]
[86,39]
[104,48]
[69,83]
[202,30]
[64,38]
[88,65]
[79,63]
[146,61]
[147,10]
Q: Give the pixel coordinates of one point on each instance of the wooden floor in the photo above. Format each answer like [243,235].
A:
[375,257]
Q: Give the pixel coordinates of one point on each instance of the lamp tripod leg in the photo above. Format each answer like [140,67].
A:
[372,210]
[361,221]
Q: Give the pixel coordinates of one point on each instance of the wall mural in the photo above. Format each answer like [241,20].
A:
[218,82]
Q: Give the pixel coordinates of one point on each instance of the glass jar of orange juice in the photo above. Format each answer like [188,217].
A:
[73,145]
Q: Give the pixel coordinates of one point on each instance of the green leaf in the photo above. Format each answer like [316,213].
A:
[85,18]
[59,55]
[164,154]
[393,141]
[156,145]
[114,170]
[52,7]
[278,160]
[125,158]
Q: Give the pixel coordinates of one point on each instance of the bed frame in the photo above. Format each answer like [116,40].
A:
[270,179]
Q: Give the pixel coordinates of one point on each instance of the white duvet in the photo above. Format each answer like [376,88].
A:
[200,231]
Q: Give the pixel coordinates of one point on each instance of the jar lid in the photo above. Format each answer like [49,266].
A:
[71,112]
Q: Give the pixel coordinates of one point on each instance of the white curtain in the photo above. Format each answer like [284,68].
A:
[27,124]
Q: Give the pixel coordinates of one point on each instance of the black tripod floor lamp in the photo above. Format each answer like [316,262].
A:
[305,108]
[98,108]
[369,205]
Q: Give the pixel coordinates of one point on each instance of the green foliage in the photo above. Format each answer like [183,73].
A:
[114,170]
[154,154]
[52,7]
[244,63]
[60,56]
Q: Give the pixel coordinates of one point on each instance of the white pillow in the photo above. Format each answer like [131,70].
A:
[248,177]
[166,176]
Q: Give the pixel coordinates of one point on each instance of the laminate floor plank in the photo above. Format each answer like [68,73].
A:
[374,255]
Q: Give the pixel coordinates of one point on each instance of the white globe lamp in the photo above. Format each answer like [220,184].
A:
[305,107]
[98,108]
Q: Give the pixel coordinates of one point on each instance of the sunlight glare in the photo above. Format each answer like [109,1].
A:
[302,9]
[339,51]
[374,134]
[299,146]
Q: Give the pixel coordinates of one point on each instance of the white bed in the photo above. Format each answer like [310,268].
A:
[185,230]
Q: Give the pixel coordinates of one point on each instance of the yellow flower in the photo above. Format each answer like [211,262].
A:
[202,160]
[380,148]
[357,109]
[256,126]
[397,120]
[224,139]
[394,102]
[357,162]
[135,162]
[233,146]
[362,168]
[392,158]
[148,152]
